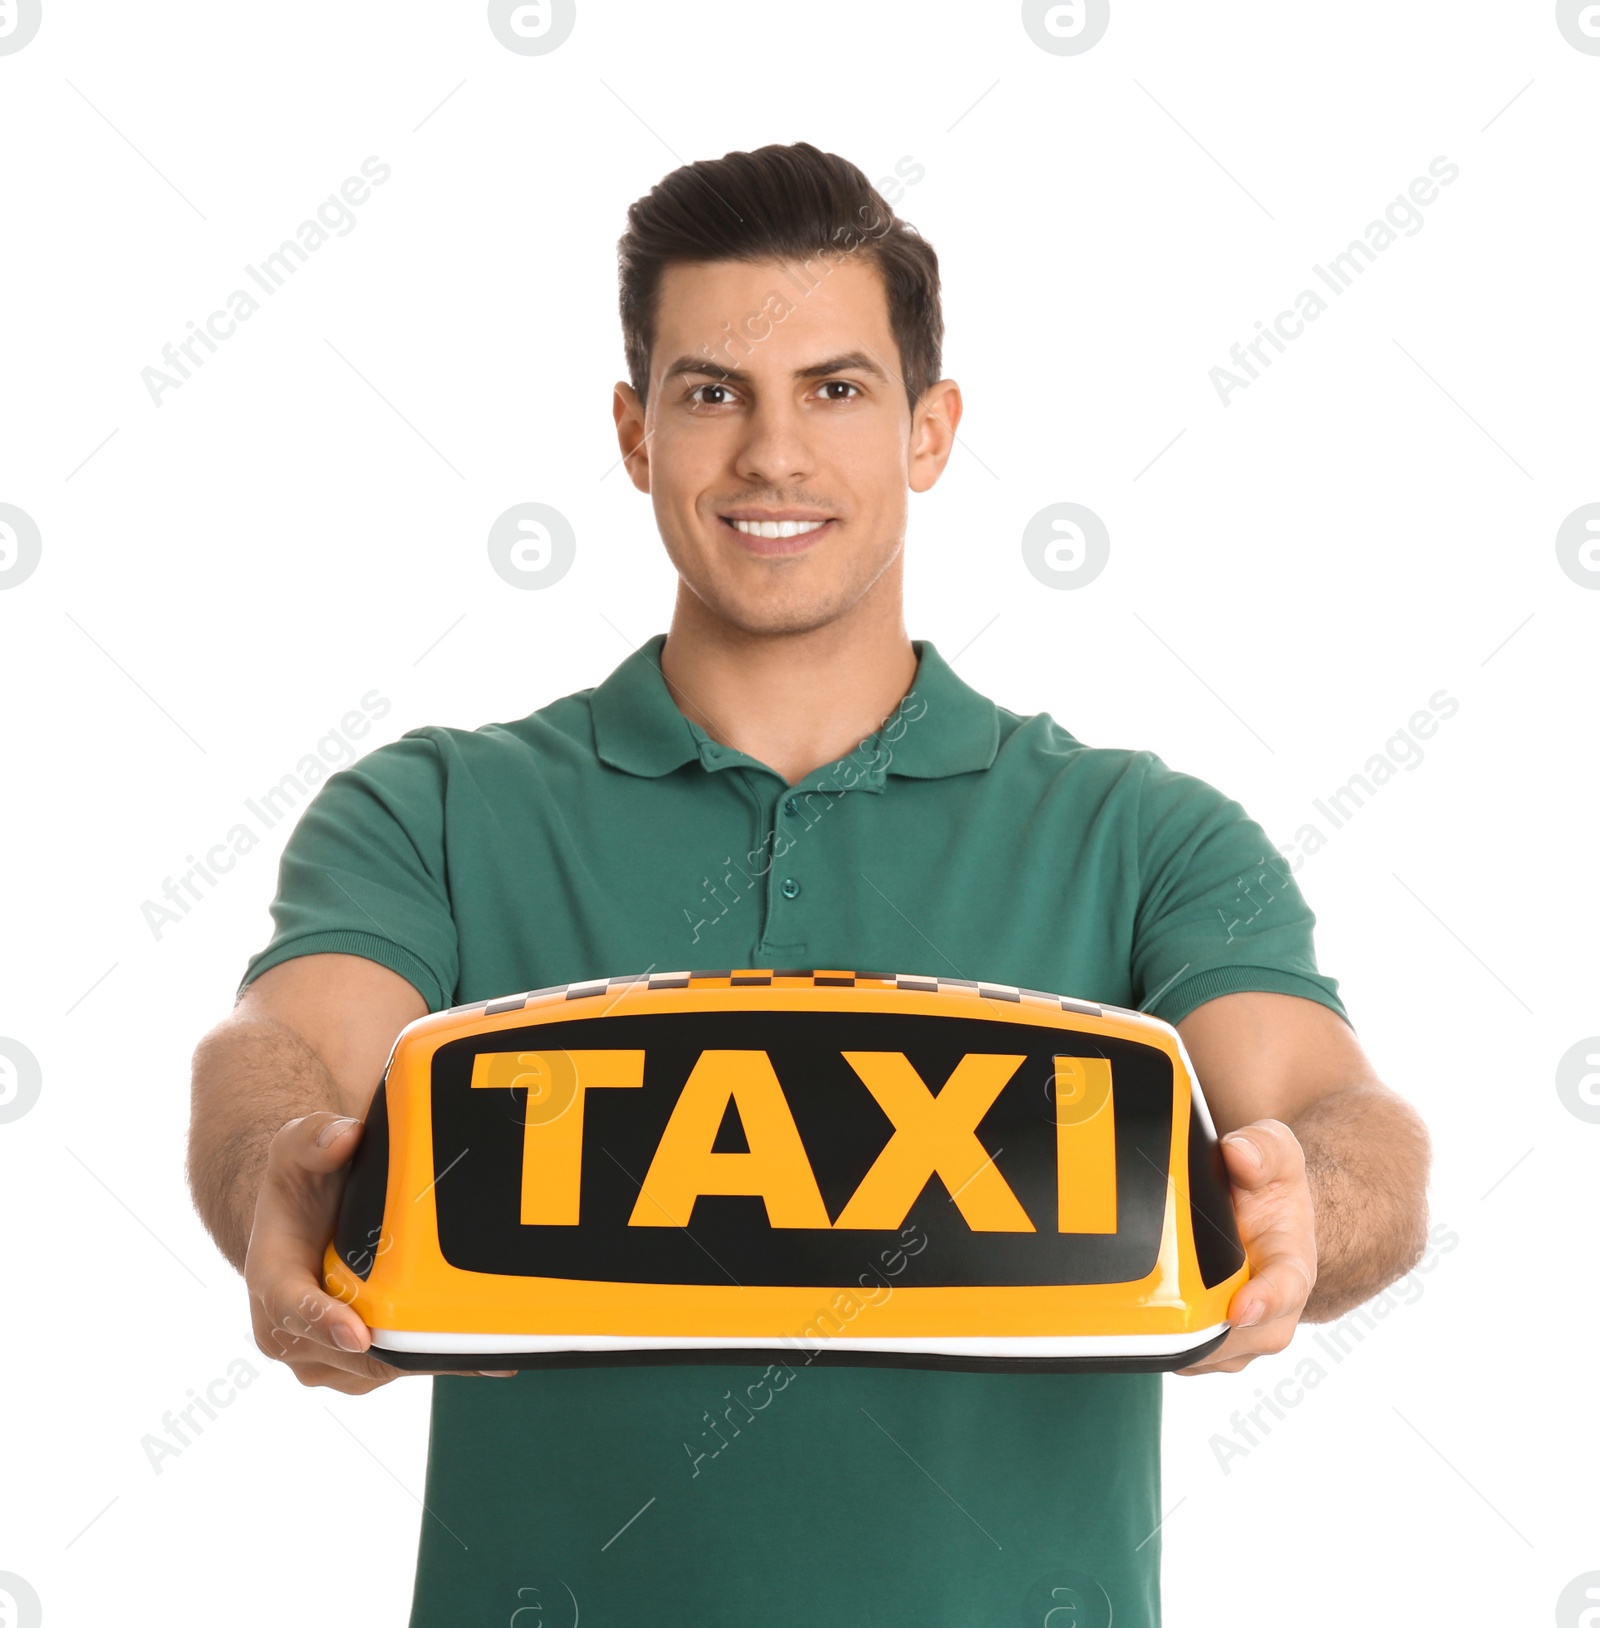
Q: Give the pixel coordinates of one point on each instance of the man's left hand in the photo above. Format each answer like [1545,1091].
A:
[1277,1224]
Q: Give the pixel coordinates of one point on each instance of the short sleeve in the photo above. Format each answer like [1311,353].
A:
[364,872]
[1219,910]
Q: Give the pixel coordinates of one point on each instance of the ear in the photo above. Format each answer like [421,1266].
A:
[933,433]
[632,436]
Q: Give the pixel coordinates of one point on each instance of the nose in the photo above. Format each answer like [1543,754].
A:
[775,451]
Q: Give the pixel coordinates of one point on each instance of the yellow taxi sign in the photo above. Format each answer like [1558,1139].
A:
[676,1167]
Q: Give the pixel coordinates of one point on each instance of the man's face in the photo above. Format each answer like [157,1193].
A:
[770,404]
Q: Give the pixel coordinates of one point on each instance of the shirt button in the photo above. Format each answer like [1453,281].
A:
[790,806]
[791,888]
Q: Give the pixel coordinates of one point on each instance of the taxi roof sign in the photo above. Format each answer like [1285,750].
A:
[737,1165]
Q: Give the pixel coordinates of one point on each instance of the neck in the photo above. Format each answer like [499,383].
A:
[794,701]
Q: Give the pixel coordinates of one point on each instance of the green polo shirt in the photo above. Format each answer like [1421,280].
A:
[606,833]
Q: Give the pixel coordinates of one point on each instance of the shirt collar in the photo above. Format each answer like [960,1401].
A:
[942,727]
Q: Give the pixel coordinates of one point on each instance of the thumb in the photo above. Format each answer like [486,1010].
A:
[317,1143]
[1255,1154]
[299,1195]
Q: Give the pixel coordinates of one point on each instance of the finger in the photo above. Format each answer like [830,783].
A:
[301,1186]
[1233,1366]
[296,1320]
[1279,1287]
[1261,1153]
[313,1364]
[1262,1317]
[289,1304]
[1227,1358]
[288,1338]
[293,1340]
[1242,1347]
[296,1211]
[336,1379]
[359,1384]
[304,1353]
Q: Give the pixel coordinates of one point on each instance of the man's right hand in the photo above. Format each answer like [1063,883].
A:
[295,1319]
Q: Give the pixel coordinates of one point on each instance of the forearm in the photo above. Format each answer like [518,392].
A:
[250,1076]
[1367,1158]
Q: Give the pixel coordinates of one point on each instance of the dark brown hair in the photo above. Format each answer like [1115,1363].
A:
[789,203]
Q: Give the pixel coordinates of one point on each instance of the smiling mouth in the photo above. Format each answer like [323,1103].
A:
[776,536]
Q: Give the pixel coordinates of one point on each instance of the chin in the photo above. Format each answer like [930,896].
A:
[787,622]
[772,619]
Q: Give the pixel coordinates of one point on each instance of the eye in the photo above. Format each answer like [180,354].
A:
[693,394]
[845,384]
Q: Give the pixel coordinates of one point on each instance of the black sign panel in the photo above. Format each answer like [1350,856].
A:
[478,1136]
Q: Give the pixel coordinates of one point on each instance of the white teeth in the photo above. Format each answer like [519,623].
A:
[775,528]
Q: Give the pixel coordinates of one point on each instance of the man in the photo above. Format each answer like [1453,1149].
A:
[729,796]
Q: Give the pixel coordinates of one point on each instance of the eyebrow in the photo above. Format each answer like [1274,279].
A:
[854,361]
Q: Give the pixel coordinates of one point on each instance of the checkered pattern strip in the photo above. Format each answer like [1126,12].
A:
[816,978]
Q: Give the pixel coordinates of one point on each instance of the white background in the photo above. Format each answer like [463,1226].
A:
[303,521]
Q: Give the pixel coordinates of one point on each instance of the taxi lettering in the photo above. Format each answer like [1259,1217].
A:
[933,1135]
